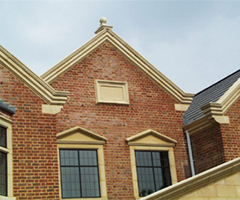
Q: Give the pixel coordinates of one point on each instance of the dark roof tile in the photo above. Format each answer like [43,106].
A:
[211,94]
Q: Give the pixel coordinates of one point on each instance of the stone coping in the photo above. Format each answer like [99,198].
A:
[201,180]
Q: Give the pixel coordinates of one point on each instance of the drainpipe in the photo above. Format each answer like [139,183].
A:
[190,153]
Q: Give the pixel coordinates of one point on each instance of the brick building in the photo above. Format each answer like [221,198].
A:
[213,120]
[212,124]
[104,124]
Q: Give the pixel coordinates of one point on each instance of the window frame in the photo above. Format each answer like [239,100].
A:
[79,166]
[152,167]
[101,168]
[7,123]
[4,151]
[149,148]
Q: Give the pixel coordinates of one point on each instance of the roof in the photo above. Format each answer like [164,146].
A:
[6,107]
[211,94]
[192,184]
[34,82]
[105,33]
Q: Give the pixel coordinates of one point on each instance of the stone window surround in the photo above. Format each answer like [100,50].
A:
[7,123]
[151,140]
[101,167]
[80,138]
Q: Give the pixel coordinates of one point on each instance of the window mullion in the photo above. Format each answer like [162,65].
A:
[154,179]
[79,168]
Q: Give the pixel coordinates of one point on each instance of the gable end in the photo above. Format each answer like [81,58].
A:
[129,52]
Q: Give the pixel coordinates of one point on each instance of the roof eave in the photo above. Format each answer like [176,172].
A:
[35,83]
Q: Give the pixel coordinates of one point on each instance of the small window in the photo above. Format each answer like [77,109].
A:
[153,171]
[3,161]
[112,92]
[79,173]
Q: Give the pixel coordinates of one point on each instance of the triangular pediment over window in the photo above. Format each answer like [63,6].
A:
[78,135]
[151,138]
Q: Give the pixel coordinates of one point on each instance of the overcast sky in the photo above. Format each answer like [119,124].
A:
[193,43]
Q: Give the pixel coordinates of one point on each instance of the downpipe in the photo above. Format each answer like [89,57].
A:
[190,153]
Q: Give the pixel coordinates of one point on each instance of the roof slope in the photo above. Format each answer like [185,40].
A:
[210,94]
[104,33]
[34,82]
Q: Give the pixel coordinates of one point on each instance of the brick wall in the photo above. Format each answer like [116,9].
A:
[207,149]
[231,132]
[35,164]
[218,144]
[150,107]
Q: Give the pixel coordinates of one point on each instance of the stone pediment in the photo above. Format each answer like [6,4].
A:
[79,135]
[150,138]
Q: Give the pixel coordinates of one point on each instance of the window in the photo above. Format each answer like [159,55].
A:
[153,171]
[3,159]
[6,171]
[79,173]
[152,162]
[81,164]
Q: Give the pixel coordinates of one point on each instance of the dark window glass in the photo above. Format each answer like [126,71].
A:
[153,171]
[3,137]
[3,174]
[79,173]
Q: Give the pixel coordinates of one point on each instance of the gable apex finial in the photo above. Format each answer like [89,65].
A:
[103,25]
[103,21]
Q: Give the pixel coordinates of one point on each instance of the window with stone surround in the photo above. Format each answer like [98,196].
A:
[152,162]
[6,179]
[81,164]
[153,171]
[3,159]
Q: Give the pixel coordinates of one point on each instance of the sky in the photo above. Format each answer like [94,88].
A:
[193,43]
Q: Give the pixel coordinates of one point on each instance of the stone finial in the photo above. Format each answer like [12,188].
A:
[103,21]
[103,25]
